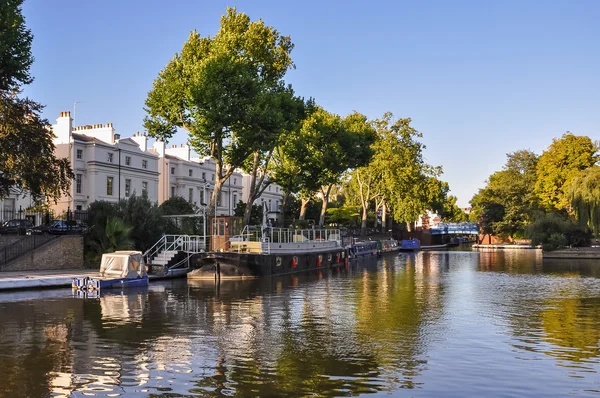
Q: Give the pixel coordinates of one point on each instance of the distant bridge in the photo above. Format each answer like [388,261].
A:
[458,228]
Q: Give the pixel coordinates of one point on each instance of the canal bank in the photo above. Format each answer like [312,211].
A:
[592,253]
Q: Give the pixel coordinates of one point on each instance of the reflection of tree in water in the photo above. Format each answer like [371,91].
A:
[565,317]
[295,349]
[393,308]
[34,343]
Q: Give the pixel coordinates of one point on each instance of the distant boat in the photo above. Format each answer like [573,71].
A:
[410,245]
[435,247]
[388,246]
[361,249]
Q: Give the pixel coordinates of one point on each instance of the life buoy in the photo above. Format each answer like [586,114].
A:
[319,260]
[329,257]
[294,262]
[278,261]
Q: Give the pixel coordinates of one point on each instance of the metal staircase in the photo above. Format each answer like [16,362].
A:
[171,254]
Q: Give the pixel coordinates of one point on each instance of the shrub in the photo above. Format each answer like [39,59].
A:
[553,231]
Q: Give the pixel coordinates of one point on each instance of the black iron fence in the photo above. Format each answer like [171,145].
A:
[25,244]
[39,217]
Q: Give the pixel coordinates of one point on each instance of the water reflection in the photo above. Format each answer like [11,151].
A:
[428,322]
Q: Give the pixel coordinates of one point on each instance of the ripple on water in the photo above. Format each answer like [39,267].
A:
[427,324]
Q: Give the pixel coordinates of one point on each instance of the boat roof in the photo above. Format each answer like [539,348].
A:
[126,252]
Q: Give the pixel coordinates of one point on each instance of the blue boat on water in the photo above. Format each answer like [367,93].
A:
[410,245]
[117,270]
[360,249]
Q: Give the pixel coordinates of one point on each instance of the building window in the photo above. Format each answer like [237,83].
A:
[234,200]
[213,177]
[172,192]
[190,172]
[80,154]
[204,176]
[172,170]
[235,181]
[269,204]
[78,183]
[128,160]
[78,208]
[110,158]
[269,188]
[191,195]
[277,189]
[219,198]
[144,164]
[127,187]
[109,186]
[144,187]
[201,197]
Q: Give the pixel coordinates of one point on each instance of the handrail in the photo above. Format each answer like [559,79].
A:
[186,243]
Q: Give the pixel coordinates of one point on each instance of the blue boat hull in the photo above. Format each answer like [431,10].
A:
[122,282]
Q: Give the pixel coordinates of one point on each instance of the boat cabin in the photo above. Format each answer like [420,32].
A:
[123,264]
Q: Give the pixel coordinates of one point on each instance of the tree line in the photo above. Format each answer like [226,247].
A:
[228,93]
[552,198]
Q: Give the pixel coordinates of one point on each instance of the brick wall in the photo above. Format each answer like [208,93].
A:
[6,240]
[63,253]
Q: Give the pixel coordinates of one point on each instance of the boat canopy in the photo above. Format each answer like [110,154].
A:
[123,264]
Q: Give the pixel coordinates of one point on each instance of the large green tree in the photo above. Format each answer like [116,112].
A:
[559,165]
[584,194]
[225,91]
[27,160]
[285,114]
[507,203]
[322,150]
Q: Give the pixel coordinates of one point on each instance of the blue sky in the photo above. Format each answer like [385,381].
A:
[478,78]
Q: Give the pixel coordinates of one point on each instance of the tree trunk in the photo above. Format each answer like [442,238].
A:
[324,205]
[363,223]
[303,209]
[384,217]
[248,211]
[409,226]
[284,200]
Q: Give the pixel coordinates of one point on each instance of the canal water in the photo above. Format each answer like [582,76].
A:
[451,324]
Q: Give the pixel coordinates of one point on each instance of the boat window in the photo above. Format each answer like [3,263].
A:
[113,265]
[221,227]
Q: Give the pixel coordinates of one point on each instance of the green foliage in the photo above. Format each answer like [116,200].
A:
[554,231]
[27,160]
[584,195]
[505,206]
[226,91]
[347,216]
[451,212]
[15,47]
[109,237]
[138,212]
[177,205]
[559,165]
[256,215]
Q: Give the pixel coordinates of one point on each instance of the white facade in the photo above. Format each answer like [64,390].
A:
[193,179]
[106,167]
[272,196]
[10,206]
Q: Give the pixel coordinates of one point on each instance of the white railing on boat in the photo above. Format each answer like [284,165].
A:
[283,240]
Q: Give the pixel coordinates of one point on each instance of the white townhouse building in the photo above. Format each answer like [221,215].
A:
[193,178]
[272,196]
[106,166]
[11,205]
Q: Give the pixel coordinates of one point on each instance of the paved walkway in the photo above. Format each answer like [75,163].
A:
[41,279]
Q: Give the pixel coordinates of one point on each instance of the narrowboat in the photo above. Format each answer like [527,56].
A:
[410,245]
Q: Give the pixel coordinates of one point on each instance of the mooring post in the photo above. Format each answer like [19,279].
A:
[217,270]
